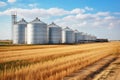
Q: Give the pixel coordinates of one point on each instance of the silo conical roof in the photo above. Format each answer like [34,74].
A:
[53,25]
[37,20]
[22,21]
[67,29]
[76,31]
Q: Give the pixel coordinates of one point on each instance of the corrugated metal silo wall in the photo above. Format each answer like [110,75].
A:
[37,33]
[70,37]
[55,35]
[19,33]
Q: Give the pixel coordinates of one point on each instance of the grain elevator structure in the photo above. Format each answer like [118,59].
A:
[55,34]
[68,35]
[38,32]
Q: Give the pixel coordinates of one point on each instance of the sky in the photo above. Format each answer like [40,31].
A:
[100,18]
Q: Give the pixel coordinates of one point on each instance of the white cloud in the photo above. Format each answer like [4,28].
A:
[11,1]
[57,11]
[77,11]
[103,14]
[109,17]
[88,8]
[100,19]
[34,5]
[2,4]
[31,13]
[73,18]
[116,13]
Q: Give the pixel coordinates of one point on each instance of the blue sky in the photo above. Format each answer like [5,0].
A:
[97,17]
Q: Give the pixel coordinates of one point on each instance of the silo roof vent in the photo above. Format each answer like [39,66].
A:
[53,25]
[37,20]
[22,21]
[76,31]
[67,29]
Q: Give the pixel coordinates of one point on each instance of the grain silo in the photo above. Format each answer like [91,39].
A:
[37,32]
[19,32]
[55,34]
[78,36]
[89,38]
[94,38]
[84,37]
[68,36]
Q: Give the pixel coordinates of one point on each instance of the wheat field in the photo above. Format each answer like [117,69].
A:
[50,62]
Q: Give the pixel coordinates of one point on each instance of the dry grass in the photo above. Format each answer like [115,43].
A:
[4,48]
[5,42]
[52,63]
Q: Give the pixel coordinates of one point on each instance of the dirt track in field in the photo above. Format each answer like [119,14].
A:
[112,72]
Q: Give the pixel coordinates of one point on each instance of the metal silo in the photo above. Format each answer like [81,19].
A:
[84,37]
[78,36]
[19,32]
[68,35]
[94,38]
[55,33]
[89,38]
[37,32]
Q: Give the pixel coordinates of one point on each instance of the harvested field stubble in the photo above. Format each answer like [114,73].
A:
[52,63]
